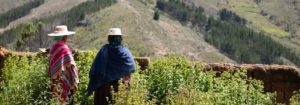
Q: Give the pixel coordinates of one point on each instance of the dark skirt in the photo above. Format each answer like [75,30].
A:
[103,95]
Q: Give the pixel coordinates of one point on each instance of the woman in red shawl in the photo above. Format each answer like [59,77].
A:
[62,67]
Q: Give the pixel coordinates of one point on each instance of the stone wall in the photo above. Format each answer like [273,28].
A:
[281,79]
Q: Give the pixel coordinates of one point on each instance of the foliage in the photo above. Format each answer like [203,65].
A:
[29,29]
[226,15]
[24,81]
[156,15]
[295,100]
[230,35]
[169,80]
[175,80]
[83,61]
[21,34]
[247,46]
[182,12]
[136,94]
[18,12]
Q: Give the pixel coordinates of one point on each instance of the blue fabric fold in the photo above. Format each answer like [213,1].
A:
[111,63]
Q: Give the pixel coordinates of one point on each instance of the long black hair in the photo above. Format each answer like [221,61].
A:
[115,40]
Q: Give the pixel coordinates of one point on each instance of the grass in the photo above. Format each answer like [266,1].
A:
[115,16]
[249,10]
[143,35]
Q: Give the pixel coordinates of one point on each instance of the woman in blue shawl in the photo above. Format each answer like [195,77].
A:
[112,63]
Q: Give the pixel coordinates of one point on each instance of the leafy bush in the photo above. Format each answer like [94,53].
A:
[175,80]
[24,81]
[169,80]
[295,100]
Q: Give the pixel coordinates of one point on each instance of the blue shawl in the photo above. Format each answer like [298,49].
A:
[111,63]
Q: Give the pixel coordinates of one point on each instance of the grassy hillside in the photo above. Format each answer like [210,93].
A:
[6,5]
[50,7]
[285,14]
[284,28]
[18,12]
[247,9]
[144,36]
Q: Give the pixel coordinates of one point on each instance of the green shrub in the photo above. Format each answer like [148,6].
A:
[295,100]
[24,81]
[175,80]
[169,80]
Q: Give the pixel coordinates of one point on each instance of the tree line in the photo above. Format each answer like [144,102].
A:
[226,15]
[229,34]
[18,12]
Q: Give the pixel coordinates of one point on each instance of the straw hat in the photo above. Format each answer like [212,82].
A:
[114,32]
[61,30]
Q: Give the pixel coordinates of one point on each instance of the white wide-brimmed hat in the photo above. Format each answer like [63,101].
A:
[61,30]
[114,31]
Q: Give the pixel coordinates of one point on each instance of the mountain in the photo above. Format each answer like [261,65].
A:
[144,36]
[278,18]
[6,5]
[50,7]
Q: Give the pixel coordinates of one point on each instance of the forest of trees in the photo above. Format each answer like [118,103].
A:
[182,12]
[230,35]
[226,15]
[18,12]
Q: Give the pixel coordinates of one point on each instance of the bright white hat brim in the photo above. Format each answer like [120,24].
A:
[42,49]
[62,34]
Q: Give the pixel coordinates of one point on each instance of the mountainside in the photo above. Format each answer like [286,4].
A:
[277,18]
[50,7]
[147,37]
[144,35]
[6,5]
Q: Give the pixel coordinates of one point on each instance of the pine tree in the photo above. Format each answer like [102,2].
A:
[156,15]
